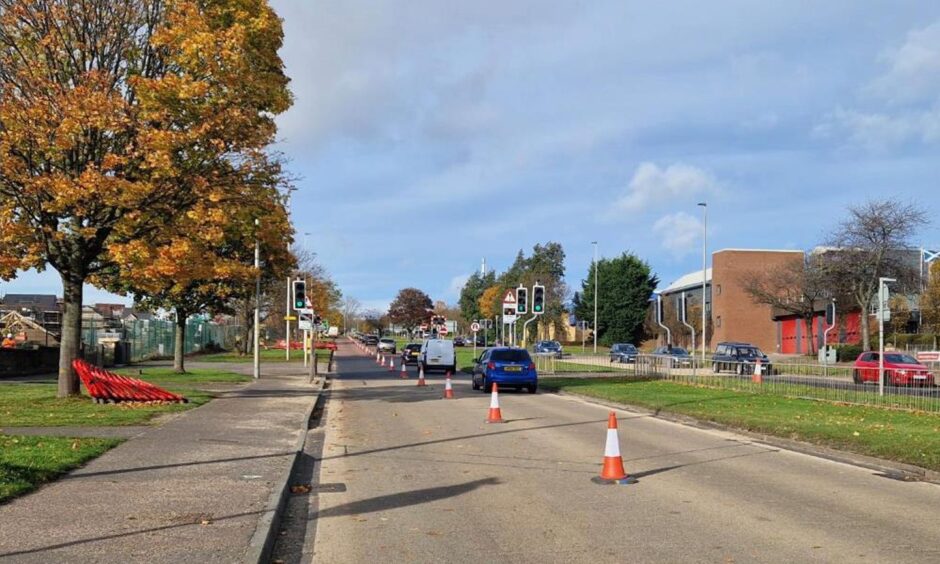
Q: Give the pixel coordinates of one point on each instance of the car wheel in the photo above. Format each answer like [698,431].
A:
[533,388]
[856,377]
[487,387]
[473,384]
[715,368]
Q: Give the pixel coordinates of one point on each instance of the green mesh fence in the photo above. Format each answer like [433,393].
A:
[134,341]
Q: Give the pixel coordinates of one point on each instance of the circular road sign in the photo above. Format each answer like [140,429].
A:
[474,326]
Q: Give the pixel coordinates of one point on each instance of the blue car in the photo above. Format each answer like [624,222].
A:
[507,367]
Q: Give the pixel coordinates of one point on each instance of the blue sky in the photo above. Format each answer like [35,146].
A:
[427,135]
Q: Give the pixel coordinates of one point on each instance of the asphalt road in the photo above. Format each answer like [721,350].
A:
[415,478]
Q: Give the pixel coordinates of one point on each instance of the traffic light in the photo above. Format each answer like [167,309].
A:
[300,294]
[522,300]
[831,313]
[538,299]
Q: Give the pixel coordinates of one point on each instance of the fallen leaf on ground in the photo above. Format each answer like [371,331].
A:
[300,489]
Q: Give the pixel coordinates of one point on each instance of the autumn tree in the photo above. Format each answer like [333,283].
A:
[874,241]
[117,118]
[930,299]
[471,293]
[410,308]
[490,302]
[797,287]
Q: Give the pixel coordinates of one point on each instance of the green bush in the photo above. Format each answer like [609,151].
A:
[848,353]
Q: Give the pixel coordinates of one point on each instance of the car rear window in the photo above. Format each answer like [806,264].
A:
[510,355]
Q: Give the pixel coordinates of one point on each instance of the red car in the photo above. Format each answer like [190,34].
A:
[900,370]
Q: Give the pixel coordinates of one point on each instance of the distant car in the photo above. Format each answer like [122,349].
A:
[410,353]
[740,358]
[680,357]
[371,340]
[552,348]
[509,367]
[459,342]
[623,352]
[387,345]
[900,370]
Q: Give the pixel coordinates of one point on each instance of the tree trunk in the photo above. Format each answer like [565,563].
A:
[864,325]
[810,336]
[70,344]
[179,351]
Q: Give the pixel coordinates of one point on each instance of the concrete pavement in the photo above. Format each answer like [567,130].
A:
[192,489]
[414,478]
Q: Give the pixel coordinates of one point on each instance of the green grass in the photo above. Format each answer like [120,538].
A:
[36,405]
[269,355]
[28,462]
[908,437]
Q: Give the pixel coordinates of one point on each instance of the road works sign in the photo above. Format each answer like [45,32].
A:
[509,300]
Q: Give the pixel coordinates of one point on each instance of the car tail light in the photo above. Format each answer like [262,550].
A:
[491,366]
[531,366]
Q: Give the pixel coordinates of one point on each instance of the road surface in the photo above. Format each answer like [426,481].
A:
[408,477]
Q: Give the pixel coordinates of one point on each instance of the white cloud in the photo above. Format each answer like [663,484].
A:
[651,184]
[914,68]
[878,131]
[680,233]
[456,285]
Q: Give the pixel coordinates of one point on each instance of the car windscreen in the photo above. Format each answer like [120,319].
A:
[514,355]
[679,351]
[900,359]
[389,341]
[749,351]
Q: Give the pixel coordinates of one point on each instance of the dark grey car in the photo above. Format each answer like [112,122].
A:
[623,352]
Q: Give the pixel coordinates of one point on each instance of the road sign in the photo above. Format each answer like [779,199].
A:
[509,319]
[474,326]
[306,321]
[509,300]
[442,330]
[324,325]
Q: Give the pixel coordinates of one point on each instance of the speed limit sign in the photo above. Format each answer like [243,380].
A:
[474,326]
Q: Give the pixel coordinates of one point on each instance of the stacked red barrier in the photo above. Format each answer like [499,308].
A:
[106,386]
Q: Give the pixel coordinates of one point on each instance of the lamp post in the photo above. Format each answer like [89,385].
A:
[596,275]
[257,358]
[704,206]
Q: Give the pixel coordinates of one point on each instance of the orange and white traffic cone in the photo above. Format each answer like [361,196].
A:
[404,370]
[495,415]
[391,364]
[758,377]
[378,358]
[613,471]
[421,381]
[448,388]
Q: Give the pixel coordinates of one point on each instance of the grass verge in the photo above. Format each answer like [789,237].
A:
[908,437]
[36,405]
[269,355]
[28,462]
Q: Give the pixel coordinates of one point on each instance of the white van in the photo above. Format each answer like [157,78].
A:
[438,354]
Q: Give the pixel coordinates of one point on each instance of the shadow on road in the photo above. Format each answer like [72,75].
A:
[404,499]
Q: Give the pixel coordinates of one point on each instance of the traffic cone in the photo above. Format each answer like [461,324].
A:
[758,377]
[421,381]
[378,358]
[612,471]
[404,370]
[448,388]
[495,415]
[391,364]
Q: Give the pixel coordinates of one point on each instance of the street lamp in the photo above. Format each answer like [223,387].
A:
[704,206]
[257,358]
[596,275]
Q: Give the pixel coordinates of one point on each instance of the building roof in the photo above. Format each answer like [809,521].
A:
[759,251]
[687,282]
[42,301]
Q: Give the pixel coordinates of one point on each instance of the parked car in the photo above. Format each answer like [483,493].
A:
[900,370]
[623,352]
[680,357]
[459,342]
[388,346]
[438,354]
[504,366]
[552,348]
[739,358]
[410,353]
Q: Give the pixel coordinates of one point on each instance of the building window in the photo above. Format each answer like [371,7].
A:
[718,321]
[719,289]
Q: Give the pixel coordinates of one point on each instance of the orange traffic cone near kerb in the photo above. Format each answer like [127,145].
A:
[495,415]
[613,472]
[421,381]
[757,378]
[391,364]
[404,370]
[378,358]
[448,387]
